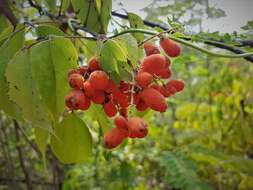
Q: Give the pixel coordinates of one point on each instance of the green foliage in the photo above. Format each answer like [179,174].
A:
[181,172]
[22,89]
[113,57]
[46,30]
[51,5]
[7,51]
[94,15]
[136,22]
[51,61]
[203,141]
[72,141]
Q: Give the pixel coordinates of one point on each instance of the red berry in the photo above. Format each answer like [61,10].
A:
[124,86]
[83,69]
[110,109]
[170,47]
[161,89]
[111,87]
[141,106]
[114,138]
[94,64]
[137,127]
[143,79]
[151,48]
[153,63]
[121,122]
[88,90]
[99,80]
[98,97]
[174,86]
[76,81]
[121,98]
[73,71]
[154,99]
[123,112]
[77,100]
[164,73]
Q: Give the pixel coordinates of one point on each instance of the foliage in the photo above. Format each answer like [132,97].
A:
[203,141]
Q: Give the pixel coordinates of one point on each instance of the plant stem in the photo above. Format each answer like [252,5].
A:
[184,42]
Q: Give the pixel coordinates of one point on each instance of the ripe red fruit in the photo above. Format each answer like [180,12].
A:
[124,87]
[99,80]
[76,81]
[154,99]
[153,63]
[141,106]
[98,97]
[170,47]
[77,100]
[120,98]
[110,109]
[83,69]
[93,64]
[174,86]
[111,87]
[164,73]
[161,89]
[143,79]
[88,90]
[73,71]
[121,122]
[114,138]
[123,112]
[137,127]
[151,48]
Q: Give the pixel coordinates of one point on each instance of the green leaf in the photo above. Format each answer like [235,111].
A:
[94,15]
[65,5]
[7,51]
[97,113]
[105,15]
[112,54]
[51,5]
[45,30]
[23,91]
[214,157]
[72,142]
[4,23]
[136,22]
[86,11]
[5,34]
[130,45]
[51,61]
[41,138]
[181,171]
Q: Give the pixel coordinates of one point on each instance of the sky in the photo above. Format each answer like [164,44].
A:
[238,13]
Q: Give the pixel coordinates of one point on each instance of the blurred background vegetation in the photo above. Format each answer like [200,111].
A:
[204,140]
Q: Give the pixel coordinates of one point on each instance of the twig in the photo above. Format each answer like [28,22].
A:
[152,37]
[6,11]
[186,43]
[215,44]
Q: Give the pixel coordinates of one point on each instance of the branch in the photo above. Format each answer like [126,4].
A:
[208,42]
[6,11]
[185,42]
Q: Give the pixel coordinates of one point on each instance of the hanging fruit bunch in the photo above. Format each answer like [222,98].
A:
[93,85]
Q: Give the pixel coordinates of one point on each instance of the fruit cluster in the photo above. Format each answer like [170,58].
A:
[149,90]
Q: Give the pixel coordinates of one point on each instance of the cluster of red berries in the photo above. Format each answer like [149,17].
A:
[149,90]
